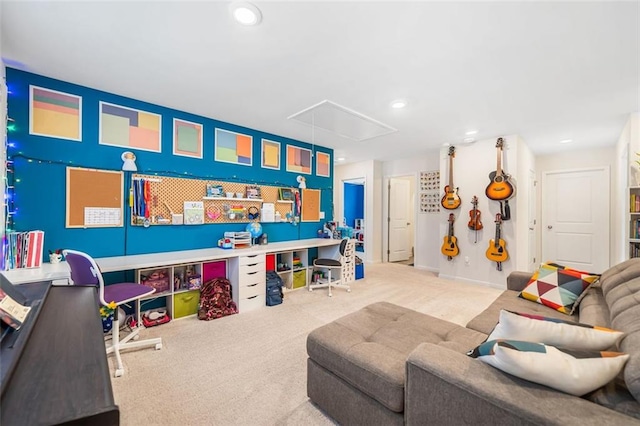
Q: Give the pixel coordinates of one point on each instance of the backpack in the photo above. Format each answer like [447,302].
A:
[274,288]
[216,300]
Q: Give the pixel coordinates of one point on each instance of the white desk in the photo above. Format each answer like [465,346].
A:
[61,271]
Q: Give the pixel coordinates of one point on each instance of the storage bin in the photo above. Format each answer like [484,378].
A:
[186,303]
[299,279]
[271,262]
[359,271]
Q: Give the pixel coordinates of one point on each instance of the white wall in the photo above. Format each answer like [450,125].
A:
[472,165]
[426,248]
[370,172]
[575,160]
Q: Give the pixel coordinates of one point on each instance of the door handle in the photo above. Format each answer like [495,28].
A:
[530,229]
[549,227]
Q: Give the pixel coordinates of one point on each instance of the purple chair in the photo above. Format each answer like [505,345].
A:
[85,271]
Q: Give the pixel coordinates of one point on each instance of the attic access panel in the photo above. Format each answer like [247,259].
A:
[342,121]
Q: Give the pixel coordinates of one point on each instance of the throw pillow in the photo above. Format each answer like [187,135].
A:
[573,372]
[552,331]
[557,286]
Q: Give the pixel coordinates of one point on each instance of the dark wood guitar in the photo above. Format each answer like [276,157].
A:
[451,200]
[500,187]
[497,251]
[449,246]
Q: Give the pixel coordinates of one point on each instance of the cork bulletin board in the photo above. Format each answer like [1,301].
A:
[94,198]
[310,205]
[168,195]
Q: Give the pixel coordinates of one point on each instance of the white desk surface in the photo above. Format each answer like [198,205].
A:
[60,271]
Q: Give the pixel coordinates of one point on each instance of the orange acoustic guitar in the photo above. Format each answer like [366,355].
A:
[449,246]
[497,251]
[450,200]
[500,187]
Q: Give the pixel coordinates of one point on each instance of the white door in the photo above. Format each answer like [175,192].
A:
[575,218]
[531,259]
[399,193]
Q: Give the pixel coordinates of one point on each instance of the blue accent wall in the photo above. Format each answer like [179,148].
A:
[353,203]
[40,172]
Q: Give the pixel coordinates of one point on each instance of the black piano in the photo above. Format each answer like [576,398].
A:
[53,369]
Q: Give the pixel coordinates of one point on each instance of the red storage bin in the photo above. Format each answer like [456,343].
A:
[271,262]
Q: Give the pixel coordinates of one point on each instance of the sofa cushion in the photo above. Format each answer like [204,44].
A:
[573,372]
[593,308]
[621,289]
[557,286]
[509,300]
[553,331]
[369,348]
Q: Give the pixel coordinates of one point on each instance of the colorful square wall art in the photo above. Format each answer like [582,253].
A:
[55,114]
[270,154]
[298,159]
[187,138]
[232,147]
[323,162]
[129,128]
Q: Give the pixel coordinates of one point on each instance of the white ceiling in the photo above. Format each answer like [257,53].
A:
[547,71]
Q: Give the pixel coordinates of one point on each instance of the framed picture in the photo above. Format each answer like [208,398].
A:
[187,138]
[270,154]
[253,192]
[298,159]
[55,114]
[129,128]
[323,164]
[285,194]
[232,147]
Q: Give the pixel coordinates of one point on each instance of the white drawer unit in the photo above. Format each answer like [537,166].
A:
[250,282]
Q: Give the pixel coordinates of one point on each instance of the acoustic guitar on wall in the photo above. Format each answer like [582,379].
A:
[497,251]
[500,187]
[450,246]
[451,200]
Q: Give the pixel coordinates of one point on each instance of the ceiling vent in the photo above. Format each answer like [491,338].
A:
[342,121]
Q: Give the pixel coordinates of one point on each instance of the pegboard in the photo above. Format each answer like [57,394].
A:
[168,194]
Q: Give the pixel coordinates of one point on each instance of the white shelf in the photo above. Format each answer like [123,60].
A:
[259,200]
[634,240]
[285,201]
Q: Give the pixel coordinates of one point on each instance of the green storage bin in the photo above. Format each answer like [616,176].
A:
[299,279]
[186,303]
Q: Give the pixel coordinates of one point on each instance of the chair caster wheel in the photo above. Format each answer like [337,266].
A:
[119,372]
[158,346]
[348,290]
[331,295]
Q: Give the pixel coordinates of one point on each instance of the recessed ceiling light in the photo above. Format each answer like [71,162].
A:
[566,141]
[245,13]
[471,132]
[340,159]
[397,104]
[468,140]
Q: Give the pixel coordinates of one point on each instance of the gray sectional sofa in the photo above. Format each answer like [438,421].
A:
[386,364]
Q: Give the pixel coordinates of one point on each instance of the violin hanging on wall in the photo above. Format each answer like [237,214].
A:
[449,245]
[497,251]
[451,200]
[475,224]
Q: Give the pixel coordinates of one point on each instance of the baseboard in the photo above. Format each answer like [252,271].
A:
[476,282]
[427,268]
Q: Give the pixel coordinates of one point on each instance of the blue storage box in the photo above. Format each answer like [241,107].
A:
[360,271]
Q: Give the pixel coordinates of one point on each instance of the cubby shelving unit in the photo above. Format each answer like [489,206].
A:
[634,221]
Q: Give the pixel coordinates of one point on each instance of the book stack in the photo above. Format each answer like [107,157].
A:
[634,203]
[24,249]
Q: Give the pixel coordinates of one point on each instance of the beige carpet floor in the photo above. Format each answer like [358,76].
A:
[250,369]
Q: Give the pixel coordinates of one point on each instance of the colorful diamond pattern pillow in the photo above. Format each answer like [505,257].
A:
[573,372]
[557,286]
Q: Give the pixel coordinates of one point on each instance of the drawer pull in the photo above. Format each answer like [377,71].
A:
[252,273]
[252,285]
[254,255]
[251,264]
[252,297]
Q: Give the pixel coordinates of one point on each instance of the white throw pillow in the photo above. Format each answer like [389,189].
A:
[554,332]
[573,372]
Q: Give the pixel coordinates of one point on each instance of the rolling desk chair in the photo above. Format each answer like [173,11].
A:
[85,271]
[345,265]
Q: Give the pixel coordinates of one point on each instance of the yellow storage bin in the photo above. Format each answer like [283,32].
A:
[299,279]
[186,303]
